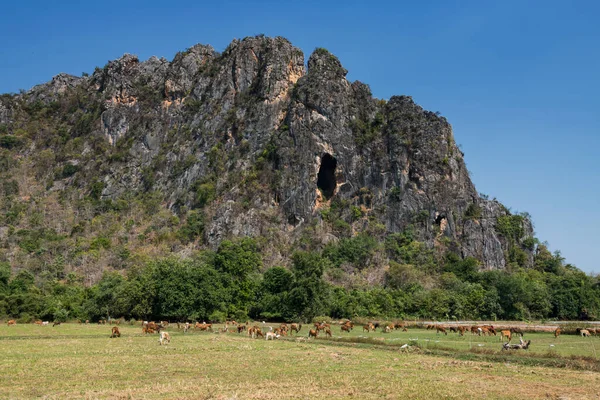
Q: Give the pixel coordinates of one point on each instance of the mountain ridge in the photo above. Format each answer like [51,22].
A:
[250,142]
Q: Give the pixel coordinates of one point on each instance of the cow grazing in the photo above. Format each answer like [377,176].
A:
[584,333]
[295,327]
[557,333]
[505,334]
[258,332]
[164,338]
[327,332]
[475,330]
[388,328]
[398,325]
[203,326]
[313,333]
[346,328]
[461,330]
[241,328]
[517,331]
[439,329]
[11,322]
[115,332]
[45,323]
[369,327]
[38,322]
[55,323]
[271,336]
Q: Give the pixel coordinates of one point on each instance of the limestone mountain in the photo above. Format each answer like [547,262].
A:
[147,158]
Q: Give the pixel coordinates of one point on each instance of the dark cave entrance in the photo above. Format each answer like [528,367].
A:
[326,177]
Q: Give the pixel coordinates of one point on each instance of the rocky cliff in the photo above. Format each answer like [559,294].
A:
[245,142]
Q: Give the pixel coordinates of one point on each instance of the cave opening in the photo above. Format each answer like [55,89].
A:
[326,178]
[439,219]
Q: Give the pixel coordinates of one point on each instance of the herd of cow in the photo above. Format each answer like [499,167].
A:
[285,329]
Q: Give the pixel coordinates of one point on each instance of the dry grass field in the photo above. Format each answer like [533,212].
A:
[79,361]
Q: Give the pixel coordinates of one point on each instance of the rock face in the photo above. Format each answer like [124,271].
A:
[259,143]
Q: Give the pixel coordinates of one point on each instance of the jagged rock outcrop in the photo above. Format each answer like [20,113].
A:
[260,145]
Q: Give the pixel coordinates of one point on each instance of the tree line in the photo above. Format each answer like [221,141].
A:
[231,283]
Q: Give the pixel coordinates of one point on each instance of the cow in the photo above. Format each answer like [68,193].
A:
[257,332]
[313,333]
[164,338]
[241,328]
[45,323]
[491,330]
[461,330]
[55,323]
[327,332]
[369,327]
[186,327]
[584,333]
[11,322]
[475,330]
[398,325]
[346,328]
[115,332]
[517,331]
[507,334]
[388,328]
[295,327]
[271,336]
[38,322]
[439,329]
[557,333]
[203,326]
[349,324]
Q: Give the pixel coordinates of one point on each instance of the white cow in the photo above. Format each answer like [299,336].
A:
[165,338]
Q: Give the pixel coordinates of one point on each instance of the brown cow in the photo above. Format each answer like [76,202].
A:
[38,322]
[313,333]
[203,326]
[369,327]
[346,328]
[11,322]
[398,325]
[295,327]
[56,323]
[327,332]
[241,328]
[115,332]
[507,334]
[461,330]
[475,330]
[557,332]
[439,329]
[258,332]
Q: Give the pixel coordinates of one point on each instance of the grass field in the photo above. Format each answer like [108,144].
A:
[79,361]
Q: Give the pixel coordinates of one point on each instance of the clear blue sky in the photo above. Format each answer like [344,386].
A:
[518,80]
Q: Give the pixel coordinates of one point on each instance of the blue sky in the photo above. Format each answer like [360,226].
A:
[518,80]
